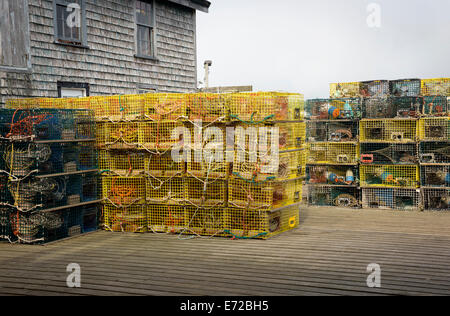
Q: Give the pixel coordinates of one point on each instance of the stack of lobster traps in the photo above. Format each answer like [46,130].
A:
[332,136]
[48,173]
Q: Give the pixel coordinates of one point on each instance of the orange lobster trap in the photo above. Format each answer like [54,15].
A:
[435,87]
[122,163]
[131,219]
[118,135]
[333,153]
[208,107]
[165,190]
[166,218]
[267,195]
[165,106]
[248,224]
[163,165]
[123,191]
[205,221]
[204,192]
[158,136]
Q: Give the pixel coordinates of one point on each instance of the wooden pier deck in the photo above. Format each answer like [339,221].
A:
[327,255]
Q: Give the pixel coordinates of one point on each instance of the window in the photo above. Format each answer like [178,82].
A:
[145,29]
[144,88]
[70,24]
[72,89]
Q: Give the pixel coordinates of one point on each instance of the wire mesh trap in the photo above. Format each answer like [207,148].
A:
[436,199]
[157,136]
[434,129]
[121,107]
[208,107]
[166,218]
[345,90]
[267,195]
[438,86]
[165,106]
[395,199]
[122,162]
[165,190]
[326,195]
[377,88]
[330,131]
[163,165]
[130,219]
[434,152]
[332,175]
[392,107]
[388,153]
[436,106]
[388,130]
[118,135]
[205,192]
[405,176]
[332,153]
[205,221]
[124,191]
[333,109]
[435,176]
[405,88]
[248,224]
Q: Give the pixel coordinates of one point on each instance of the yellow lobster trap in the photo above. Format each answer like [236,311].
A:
[163,165]
[165,106]
[389,130]
[117,135]
[345,90]
[124,107]
[434,129]
[333,153]
[435,87]
[267,195]
[203,192]
[248,224]
[158,136]
[204,221]
[208,107]
[260,107]
[122,163]
[287,165]
[131,219]
[404,176]
[165,190]
[123,191]
[166,218]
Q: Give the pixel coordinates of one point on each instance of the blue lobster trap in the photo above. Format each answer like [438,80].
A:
[89,189]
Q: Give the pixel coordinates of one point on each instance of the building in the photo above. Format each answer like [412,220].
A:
[54,48]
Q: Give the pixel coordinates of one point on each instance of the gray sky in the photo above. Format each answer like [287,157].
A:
[303,45]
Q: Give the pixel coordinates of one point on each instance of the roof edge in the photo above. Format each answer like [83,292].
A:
[200,5]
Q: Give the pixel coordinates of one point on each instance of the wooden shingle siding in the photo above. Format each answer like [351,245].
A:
[109,65]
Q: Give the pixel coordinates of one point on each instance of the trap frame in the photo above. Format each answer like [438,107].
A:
[123,135]
[437,86]
[157,136]
[122,163]
[131,219]
[333,109]
[403,176]
[332,131]
[163,165]
[388,130]
[208,107]
[332,175]
[395,199]
[165,190]
[405,87]
[436,199]
[436,106]
[392,107]
[435,175]
[166,218]
[123,191]
[374,89]
[204,221]
[389,153]
[333,153]
[345,90]
[328,195]
[165,106]
[203,192]
[435,152]
[434,129]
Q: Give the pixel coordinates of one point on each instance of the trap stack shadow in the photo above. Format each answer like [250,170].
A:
[48,178]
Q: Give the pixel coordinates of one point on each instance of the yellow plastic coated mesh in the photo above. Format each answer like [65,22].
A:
[205,221]
[406,176]
[205,192]
[162,165]
[345,90]
[439,87]
[166,218]
[165,106]
[208,107]
[165,190]
[333,153]
[122,163]
[118,135]
[132,219]
[434,129]
[123,191]
[158,135]
[388,130]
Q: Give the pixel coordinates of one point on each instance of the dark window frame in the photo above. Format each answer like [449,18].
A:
[82,42]
[72,85]
[152,30]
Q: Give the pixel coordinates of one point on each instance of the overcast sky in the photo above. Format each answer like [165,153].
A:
[303,45]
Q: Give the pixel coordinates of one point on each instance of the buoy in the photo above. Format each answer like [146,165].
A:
[349,177]
[334,112]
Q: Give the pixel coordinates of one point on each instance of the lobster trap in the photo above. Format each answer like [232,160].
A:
[87,156]
[122,107]
[123,191]
[436,199]
[377,88]
[332,175]
[165,190]
[163,165]
[331,131]
[333,109]
[405,87]
[248,224]
[208,167]
[333,153]
[435,176]
[345,90]
[122,163]
[85,126]
[261,107]
[208,107]
[388,130]
[118,135]
[388,153]
[436,106]
[130,219]
[267,195]
[166,218]
[89,187]
[434,129]
[439,87]
[405,176]
[392,107]
[434,152]
[286,165]
[205,221]
[203,192]
[327,195]
[158,135]
[394,199]
[165,106]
